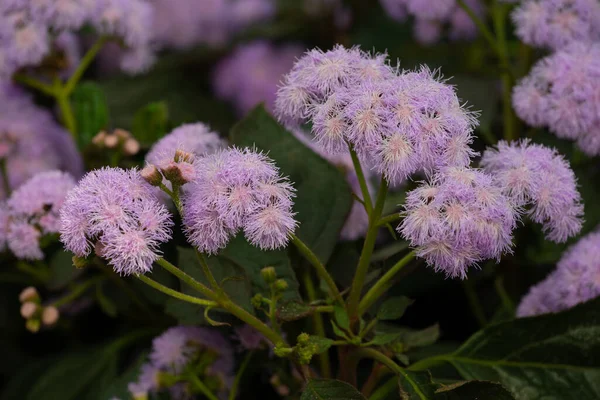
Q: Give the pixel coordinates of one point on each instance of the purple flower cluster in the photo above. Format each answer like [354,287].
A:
[561,92]
[250,75]
[357,221]
[29,27]
[32,211]
[179,347]
[553,24]
[538,178]
[115,212]
[432,17]
[457,219]
[575,280]
[238,189]
[399,123]
[31,141]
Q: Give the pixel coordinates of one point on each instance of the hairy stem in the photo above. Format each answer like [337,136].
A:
[362,181]
[34,84]
[209,275]
[83,65]
[318,326]
[66,110]
[474,303]
[389,219]
[176,294]
[383,284]
[319,267]
[365,256]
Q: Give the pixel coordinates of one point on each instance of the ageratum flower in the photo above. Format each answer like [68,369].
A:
[180,347]
[238,189]
[575,280]
[458,219]
[540,180]
[250,75]
[561,92]
[115,211]
[553,24]
[33,211]
[31,141]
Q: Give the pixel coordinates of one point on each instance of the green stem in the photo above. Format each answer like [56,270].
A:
[77,291]
[474,303]
[319,267]
[368,328]
[427,363]
[209,275]
[389,219]
[225,303]
[383,284]
[365,256]
[202,387]
[67,113]
[362,181]
[485,31]
[5,181]
[318,326]
[175,195]
[323,309]
[384,391]
[176,294]
[83,65]
[40,274]
[238,376]
[395,368]
[35,84]
[507,302]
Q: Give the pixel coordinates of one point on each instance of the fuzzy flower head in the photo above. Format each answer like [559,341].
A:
[540,180]
[575,280]
[398,122]
[458,219]
[116,211]
[33,211]
[238,189]
[250,75]
[553,24]
[562,93]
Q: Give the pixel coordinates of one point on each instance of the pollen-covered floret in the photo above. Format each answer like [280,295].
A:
[115,211]
[541,181]
[238,189]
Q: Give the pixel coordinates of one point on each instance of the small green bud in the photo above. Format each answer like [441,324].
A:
[79,262]
[303,338]
[29,294]
[305,354]
[268,274]
[257,300]
[280,285]
[33,325]
[281,351]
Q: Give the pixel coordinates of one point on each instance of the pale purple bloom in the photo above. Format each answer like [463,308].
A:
[238,189]
[31,141]
[541,181]
[3,226]
[554,24]
[116,210]
[24,241]
[575,280]
[146,383]
[458,219]
[250,75]
[561,92]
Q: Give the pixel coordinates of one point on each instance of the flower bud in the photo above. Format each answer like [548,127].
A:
[122,134]
[281,285]
[50,315]
[99,249]
[98,140]
[29,294]
[179,173]
[131,147]
[79,262]
[257,300]
[152,175]
[303,338]
[33,325]
[183,156]
[268,274]
[28,309]
[111,141]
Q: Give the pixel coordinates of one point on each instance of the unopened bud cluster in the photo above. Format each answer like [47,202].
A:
[179,170]
[34,312]
[119,139]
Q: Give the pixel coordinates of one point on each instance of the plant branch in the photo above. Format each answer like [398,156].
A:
[238,376]
[318,326]
[362,181]
[34,84]
[176,294]
[83,65]
[202,387]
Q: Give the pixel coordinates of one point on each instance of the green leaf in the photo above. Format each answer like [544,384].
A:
[293,310]
[550,357]
[118,387]
[381,339]
[409,337]
[416,386]
[330,389]
[323,196]
[90,110]
[338,332]
[150,122]
[252,260]
[474,390]
[341,317]
[394,308]
[62,270]
[322,343]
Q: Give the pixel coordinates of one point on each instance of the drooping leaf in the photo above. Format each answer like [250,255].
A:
[341,317]
[409,337]
[330,389]
[393,308]
[474,390]
[323,196]
[90,111]
[416,386]
[554,356]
